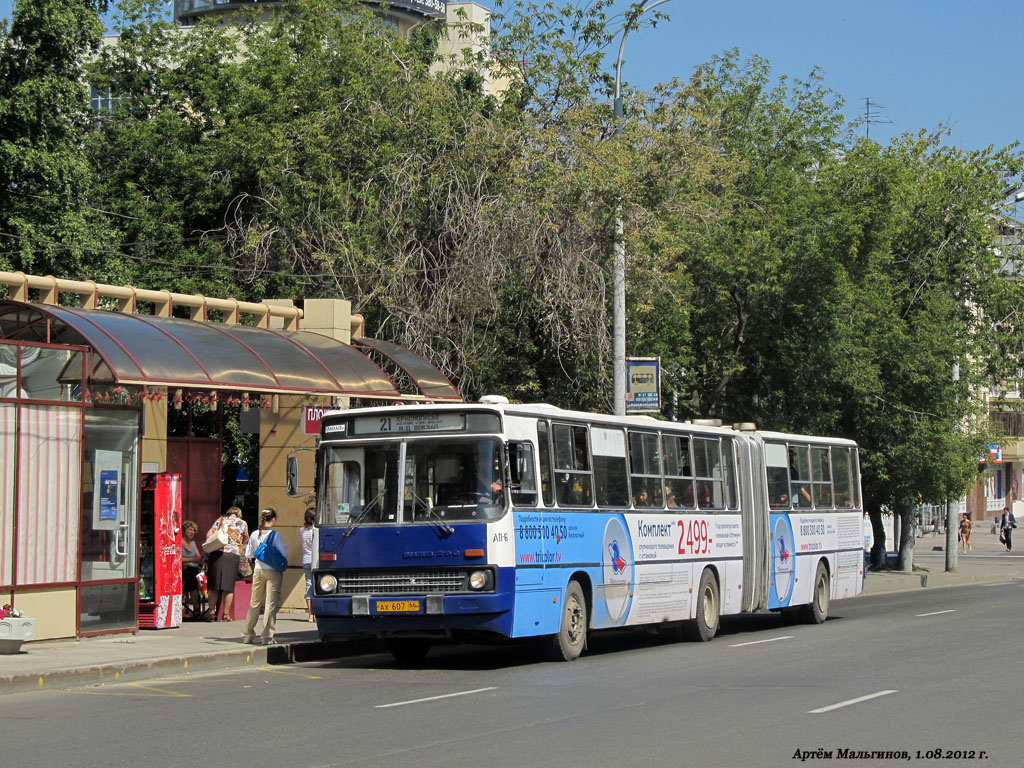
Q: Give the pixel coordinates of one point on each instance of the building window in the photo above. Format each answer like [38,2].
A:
[101,99]
[1012,422]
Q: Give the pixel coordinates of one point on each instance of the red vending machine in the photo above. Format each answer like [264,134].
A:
[160,552]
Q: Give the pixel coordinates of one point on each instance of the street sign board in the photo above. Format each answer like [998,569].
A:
[643,384]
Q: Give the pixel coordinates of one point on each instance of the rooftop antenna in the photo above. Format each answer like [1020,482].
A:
[872,115]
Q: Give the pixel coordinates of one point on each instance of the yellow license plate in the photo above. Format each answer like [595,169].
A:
[398,606]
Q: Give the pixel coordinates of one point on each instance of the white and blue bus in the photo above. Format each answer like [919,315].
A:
[456,522]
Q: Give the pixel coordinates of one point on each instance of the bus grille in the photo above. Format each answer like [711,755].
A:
[399,582]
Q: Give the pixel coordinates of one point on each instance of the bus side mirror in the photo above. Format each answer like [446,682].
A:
[291,482]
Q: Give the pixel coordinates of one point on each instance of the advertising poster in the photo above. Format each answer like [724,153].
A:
[106,496]
[109,493]
[646,566]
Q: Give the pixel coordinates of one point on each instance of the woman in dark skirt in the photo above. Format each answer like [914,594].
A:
[222,566]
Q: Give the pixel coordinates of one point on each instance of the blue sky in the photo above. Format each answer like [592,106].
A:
[927,62]
[924,62]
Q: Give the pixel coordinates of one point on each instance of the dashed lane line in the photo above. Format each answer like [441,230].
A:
[850,702]
[435,698]
[759,642]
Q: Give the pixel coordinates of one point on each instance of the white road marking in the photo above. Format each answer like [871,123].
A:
[936,613]
[849,702]
[435,698]
[758,642]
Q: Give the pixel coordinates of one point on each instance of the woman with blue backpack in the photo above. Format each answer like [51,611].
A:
[269,556]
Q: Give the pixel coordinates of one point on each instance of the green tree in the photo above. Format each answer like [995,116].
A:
[319,155]
[49,223]
[931,320]
[837,284]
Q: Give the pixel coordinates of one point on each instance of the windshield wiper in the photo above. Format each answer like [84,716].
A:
[433,517]
[358,520]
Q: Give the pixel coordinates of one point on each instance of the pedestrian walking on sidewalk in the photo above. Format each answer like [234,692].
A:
[1006,527]
[965,532]
[269,555]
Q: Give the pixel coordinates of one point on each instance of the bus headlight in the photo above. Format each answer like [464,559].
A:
[478,580]
[328,583]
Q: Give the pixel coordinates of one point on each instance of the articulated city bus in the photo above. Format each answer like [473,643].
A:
[460,522]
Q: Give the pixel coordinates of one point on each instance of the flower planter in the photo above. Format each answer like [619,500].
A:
[14,631]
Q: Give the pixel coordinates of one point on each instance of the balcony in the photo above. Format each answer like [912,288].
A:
[188,12]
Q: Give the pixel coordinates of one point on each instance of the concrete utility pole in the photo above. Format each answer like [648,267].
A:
[951,532]
[619,263]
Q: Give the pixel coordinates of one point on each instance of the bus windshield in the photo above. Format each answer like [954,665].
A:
[442,480]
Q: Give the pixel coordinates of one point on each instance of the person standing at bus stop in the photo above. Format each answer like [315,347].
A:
[307,557]
[222,570]
[267,576]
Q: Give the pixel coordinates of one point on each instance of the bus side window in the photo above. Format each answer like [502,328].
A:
[645,469]
[546,486]
[678,472]
[821,477]
[610,473]
[729,473]
[800,475]
[842,477]
[572,465]
[776,466]
[521,471]
[707,467]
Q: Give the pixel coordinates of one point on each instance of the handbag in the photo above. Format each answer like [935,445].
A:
[218,540]
[244,569]
[270,555]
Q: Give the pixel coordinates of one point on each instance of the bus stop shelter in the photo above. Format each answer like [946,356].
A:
[85,398]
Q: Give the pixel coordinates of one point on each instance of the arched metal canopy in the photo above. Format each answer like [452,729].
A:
[148,350]
[431,382]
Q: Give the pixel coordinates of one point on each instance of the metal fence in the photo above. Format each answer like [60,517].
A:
[933,516]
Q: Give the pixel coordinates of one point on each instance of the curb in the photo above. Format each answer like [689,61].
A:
[150,669]
[897,581]
[142,669]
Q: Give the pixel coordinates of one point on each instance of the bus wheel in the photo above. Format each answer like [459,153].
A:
[568,643]
[705,626]
[409,649]
[817,611]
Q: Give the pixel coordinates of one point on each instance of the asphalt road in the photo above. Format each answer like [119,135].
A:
[914,672]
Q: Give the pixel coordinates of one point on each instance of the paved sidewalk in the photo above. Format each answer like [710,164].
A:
[201,646]
[987,562]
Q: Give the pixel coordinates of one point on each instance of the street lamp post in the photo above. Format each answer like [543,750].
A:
[619,262]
